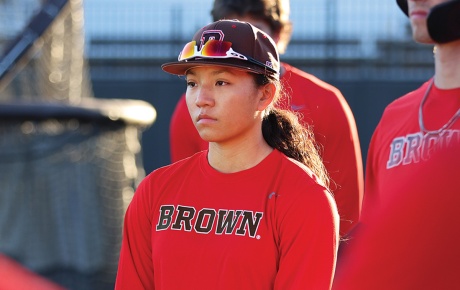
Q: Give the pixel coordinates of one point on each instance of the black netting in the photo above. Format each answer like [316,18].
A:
[65,185]
[69,163]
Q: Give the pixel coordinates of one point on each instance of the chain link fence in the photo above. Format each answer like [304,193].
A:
[342,40]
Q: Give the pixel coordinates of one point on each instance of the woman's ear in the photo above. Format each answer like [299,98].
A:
[267,93]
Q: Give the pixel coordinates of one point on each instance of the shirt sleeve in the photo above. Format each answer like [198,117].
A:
[183,137]
[135,268]
[342,158]
[308,229]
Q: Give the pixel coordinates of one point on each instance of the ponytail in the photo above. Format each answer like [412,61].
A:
[282,130]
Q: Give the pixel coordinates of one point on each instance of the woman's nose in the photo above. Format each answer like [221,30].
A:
[204,97]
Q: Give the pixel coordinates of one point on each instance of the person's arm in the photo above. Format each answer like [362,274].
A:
[183,137]
[135,268]
[309,236]
[323,107]
[338,135]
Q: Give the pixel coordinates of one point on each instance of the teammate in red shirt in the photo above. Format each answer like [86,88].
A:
[251,212]
[409,234]
[322,106]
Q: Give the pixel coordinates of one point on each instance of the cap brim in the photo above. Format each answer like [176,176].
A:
[181,67]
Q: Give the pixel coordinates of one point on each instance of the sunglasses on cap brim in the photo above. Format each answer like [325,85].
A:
[216,49]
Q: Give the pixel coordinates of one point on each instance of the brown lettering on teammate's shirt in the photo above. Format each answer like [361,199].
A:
[207,220]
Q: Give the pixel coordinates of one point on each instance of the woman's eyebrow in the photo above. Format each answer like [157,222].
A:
[215,72]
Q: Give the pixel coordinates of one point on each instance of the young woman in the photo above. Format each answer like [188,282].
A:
[323,106]
[251,212]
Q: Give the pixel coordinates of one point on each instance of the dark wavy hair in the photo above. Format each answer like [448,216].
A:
[282,130]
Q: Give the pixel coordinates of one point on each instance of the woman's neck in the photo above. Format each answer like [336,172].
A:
[227,158]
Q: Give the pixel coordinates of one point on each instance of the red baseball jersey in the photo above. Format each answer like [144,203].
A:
[325,109]
[409,235]
[191,227]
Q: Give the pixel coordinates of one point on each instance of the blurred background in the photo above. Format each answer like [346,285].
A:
[363,47]
[85,110]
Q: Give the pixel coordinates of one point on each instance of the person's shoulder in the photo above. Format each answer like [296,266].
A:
[300,183]
[294,75]
[295,171]
[176,168]
[160,178]
[407,101]
[307,89]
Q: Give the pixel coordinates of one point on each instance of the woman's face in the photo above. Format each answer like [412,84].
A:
[224,103]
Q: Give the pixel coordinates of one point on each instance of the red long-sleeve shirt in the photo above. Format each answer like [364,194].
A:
[409,234]
[191,227]
[325,109]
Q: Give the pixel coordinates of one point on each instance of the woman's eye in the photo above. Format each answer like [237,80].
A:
[221,83]
[191,84]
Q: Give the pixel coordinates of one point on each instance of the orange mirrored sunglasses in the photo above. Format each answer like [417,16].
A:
[216,49]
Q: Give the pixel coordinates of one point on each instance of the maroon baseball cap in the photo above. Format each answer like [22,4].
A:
[229,43]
